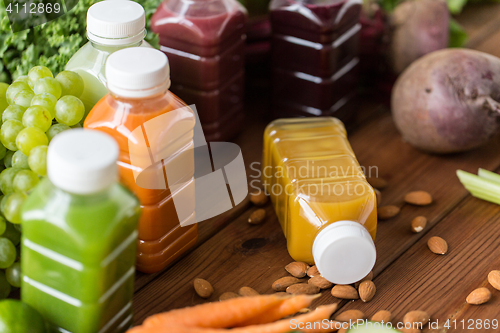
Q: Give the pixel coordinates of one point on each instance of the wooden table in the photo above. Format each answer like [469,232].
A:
[232,254]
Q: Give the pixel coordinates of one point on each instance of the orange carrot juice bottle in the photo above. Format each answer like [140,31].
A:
[326,207]
[154,130]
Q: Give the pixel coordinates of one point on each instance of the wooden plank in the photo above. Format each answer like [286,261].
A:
[480,21]
[242,255]
[438,284]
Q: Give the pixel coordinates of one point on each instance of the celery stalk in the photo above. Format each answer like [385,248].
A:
[486,186]
[492,176]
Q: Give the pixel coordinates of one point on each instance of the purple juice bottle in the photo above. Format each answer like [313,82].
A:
[204,41]
[315,57]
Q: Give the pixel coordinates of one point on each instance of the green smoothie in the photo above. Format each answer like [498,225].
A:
[111,26]
[79,238]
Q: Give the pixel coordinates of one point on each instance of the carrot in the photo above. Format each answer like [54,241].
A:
[216,315]
[282,326]
[288,307]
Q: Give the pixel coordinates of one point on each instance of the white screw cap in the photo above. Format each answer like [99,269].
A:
[137,72]
[116,22]
[82,161]
[344,252]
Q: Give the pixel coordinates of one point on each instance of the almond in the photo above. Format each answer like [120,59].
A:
[479,296]
[437,245]
[297,269]
[257,216]
[378,195]
[494,279]
[228,295]
[281,294]
[284,282]
[320,282]
[312,271]
[367,290]
[345,292]
[302,289]
[259,198]
[369,276]
[417,316]
[350,315]
[377,182]
[203,288]
[418,224]
[387,212]
[419,198]
[382,316]
[247,291]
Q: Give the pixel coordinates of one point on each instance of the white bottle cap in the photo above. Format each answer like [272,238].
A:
[137,72]
[116,22]
[82,161]
[344,252]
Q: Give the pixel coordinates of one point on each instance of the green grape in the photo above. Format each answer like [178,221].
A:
[3,225]
[23,78]
[38,72]
[7,180]
[12,233]
[7,160]
[48,101]
[13,274]
[9,132]
[29,138]
[56,129]
[14,89]
[37,116]
[5,287]
[69,110]
[25,180]
[2,203]
[23,98]
[3,151]
[12,208]
[71,83]
[37,160]
[13,112]
[3,96]
[48,85]
[19,160]
[8,252]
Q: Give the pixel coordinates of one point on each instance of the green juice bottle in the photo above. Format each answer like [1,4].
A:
[79,238]
[112,25]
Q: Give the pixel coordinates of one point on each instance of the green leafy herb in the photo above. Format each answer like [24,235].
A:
[51,44]
[458,36]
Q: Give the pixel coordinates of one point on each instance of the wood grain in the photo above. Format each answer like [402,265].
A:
[438,284]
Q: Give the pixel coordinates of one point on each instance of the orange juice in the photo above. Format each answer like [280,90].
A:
[154,131]
[325,206]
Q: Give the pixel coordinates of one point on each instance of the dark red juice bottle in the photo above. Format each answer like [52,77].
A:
[204,41]
[315,57]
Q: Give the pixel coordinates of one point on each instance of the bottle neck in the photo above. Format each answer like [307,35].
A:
[113,48]
[151,93]
[115,44]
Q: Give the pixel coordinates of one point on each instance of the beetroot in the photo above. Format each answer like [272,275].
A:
[448,101]
[418,28]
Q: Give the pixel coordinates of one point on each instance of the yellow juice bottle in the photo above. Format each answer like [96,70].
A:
[324,204]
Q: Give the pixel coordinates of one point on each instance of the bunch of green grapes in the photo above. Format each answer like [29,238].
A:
[34,109]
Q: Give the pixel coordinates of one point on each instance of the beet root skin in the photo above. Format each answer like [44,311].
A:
[448,101]
[418,27]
